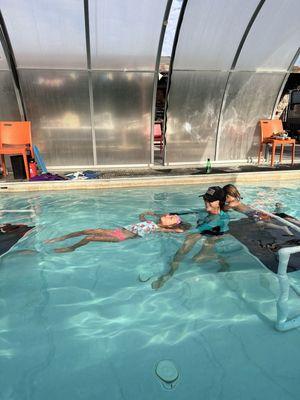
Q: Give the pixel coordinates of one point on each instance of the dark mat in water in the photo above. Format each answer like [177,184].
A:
[265,238]
[10,234]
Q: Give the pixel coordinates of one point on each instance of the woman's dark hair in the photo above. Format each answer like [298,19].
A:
[232,191]
[184,225]
[222,204]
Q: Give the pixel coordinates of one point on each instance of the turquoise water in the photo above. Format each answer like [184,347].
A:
[81,325]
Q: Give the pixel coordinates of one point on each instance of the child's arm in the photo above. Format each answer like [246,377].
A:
[153,214]
[176,230]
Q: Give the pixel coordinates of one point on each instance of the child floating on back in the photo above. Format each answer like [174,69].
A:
[165,223]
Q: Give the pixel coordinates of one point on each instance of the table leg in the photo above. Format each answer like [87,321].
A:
[281,152]
[273,154]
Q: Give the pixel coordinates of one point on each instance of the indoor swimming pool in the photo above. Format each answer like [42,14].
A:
[88,325]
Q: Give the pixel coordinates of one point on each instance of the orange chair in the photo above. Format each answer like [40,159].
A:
[158,136]
[268,127]
[15,138]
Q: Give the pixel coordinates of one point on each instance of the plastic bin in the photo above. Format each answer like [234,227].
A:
[17,164]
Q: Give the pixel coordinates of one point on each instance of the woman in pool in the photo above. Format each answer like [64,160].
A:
[165,223]
[214,225]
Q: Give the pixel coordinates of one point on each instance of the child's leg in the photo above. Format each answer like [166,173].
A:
[82,242]
[76,234]
[105,237]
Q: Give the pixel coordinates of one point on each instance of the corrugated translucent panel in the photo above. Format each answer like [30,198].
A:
[125,34]
[122,107]
[194,106]
[274,38]
[250,97]
[57,103]
[46,34]
[9,110]
[211,32]
[3,61]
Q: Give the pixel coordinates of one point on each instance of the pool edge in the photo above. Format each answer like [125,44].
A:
[238,177]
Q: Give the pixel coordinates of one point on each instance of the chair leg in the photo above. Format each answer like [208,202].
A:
[259,153]
[273,154]
[293,153]
[281,152]
[26,165]
[4,171]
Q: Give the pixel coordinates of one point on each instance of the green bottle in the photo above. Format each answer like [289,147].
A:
[208,166]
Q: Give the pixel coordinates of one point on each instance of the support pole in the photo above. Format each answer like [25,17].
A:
[282,323]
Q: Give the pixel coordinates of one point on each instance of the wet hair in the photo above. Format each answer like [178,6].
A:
[184,226]
[231,190]
[222,202]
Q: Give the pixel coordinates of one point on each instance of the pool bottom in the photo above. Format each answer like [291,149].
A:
[83,326]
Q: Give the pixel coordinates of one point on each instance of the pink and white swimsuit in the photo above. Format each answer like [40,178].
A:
[142,228]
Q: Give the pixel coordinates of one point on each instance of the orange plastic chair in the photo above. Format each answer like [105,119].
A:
[15,138]
[268,127]
[158,136]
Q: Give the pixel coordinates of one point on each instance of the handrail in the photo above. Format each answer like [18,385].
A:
[283,323]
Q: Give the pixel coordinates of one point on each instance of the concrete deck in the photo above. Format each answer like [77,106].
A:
[256,176]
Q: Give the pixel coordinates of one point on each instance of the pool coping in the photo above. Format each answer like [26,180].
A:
[237,177]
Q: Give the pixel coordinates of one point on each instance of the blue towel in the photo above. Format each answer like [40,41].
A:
[39,159]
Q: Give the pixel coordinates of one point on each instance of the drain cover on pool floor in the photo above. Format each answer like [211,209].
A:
[167,372]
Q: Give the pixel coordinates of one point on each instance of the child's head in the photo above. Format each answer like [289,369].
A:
[214,199]
[170,220]
[231,193]
[173,221]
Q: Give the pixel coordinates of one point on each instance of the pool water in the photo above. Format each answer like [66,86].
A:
[82,325]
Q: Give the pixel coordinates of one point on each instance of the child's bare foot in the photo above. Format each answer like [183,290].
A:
[160,282]
[63,250]
[54,240]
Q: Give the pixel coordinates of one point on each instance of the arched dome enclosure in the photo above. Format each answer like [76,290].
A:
[85,73]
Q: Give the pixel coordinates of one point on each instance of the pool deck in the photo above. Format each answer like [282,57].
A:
[148,178]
